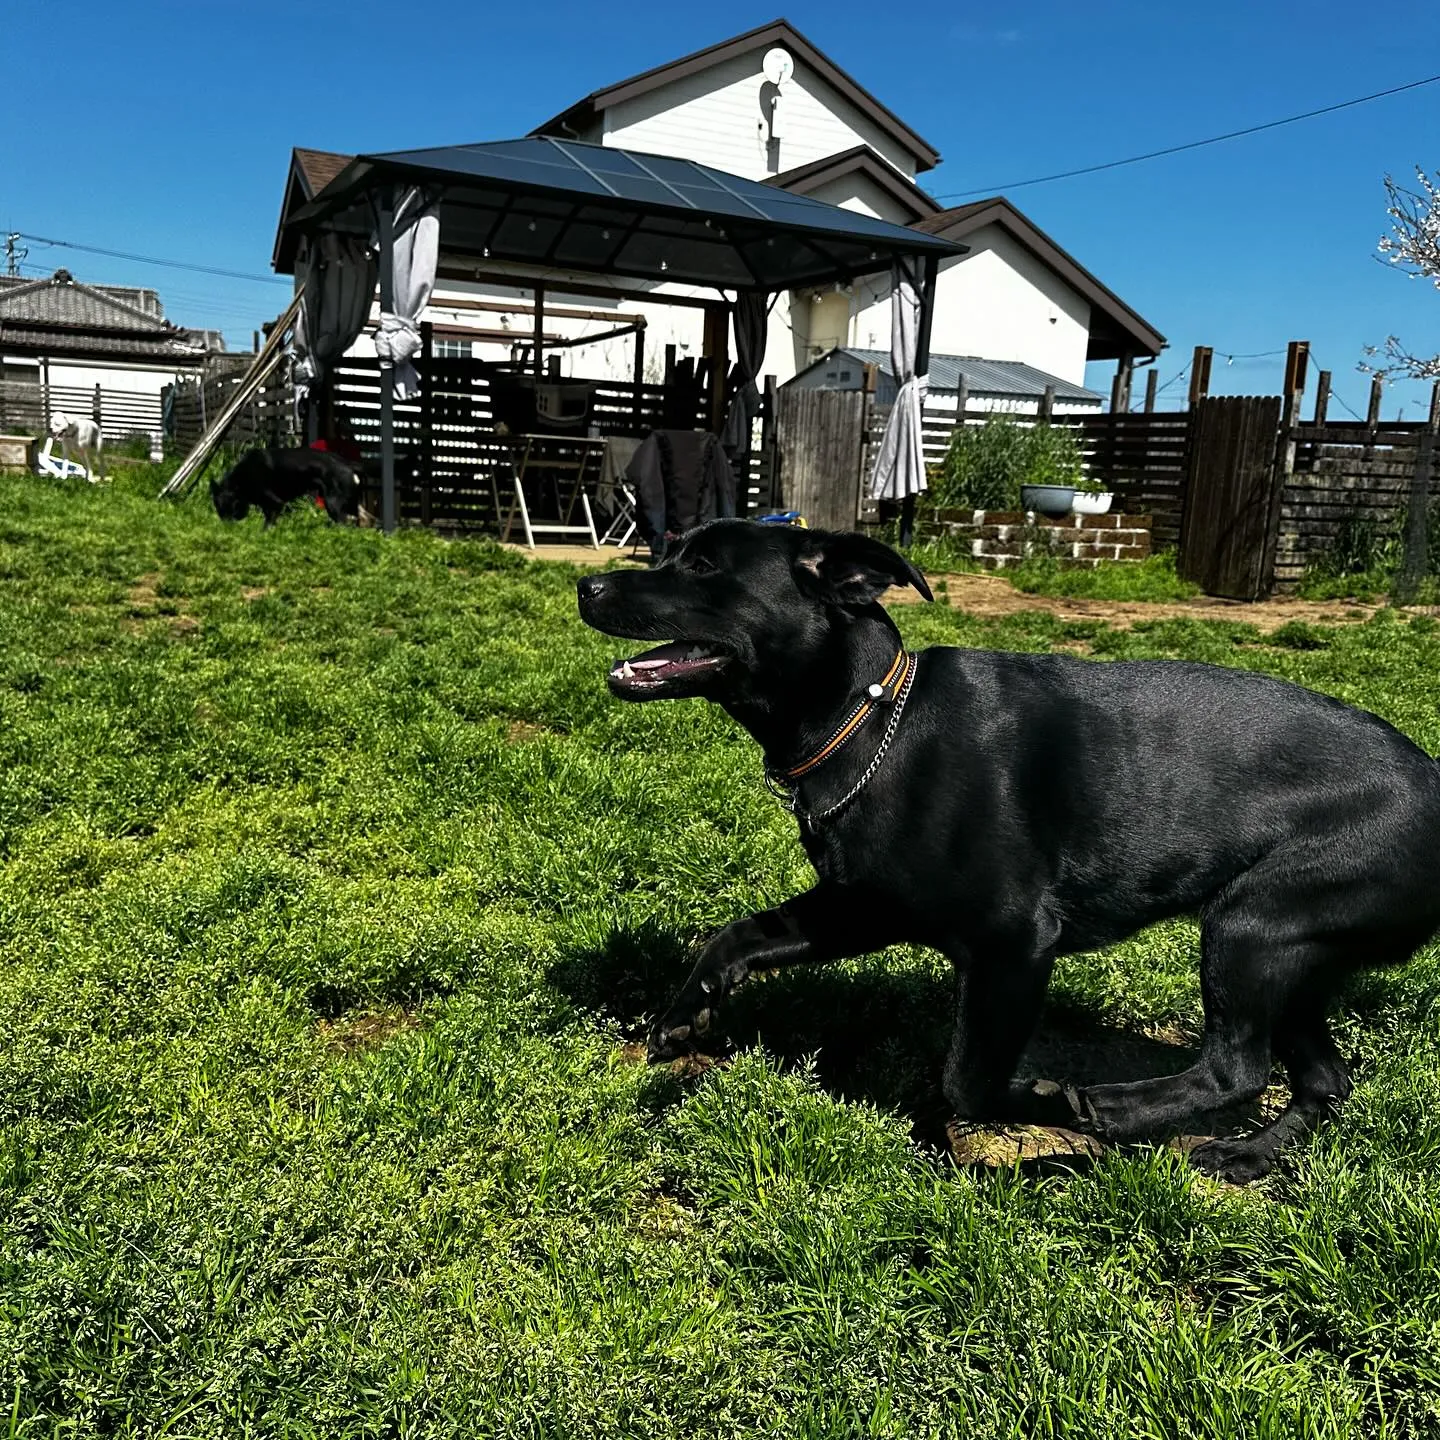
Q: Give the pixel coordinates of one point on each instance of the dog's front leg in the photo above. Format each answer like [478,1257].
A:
[826,923]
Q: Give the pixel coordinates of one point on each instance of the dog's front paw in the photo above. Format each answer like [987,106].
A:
[1239,1161]
[680,1030]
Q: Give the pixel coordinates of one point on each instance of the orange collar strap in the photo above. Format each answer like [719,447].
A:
[875,696]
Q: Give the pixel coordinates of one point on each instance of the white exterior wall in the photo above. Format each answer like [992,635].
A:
[684,327]
[138,379]
[720,117]
[998,302]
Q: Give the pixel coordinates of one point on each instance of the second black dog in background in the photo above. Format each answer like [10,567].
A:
[272,479]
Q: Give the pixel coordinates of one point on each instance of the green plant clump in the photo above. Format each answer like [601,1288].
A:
[985,465]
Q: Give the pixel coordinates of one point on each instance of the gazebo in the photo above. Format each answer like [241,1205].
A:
[569,217]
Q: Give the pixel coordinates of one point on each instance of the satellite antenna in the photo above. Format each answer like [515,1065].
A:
[778,66]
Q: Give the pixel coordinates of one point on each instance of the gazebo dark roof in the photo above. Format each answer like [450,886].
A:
[565,205]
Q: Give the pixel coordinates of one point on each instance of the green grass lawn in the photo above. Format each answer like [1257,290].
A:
[333,888]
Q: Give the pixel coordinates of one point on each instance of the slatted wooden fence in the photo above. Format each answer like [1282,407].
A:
[26,409]
[1346,474]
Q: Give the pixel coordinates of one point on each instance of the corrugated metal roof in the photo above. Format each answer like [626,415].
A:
[984,377]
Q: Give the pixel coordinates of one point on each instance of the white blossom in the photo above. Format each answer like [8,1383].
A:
[1412,246]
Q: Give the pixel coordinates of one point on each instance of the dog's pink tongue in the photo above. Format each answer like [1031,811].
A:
[649,664]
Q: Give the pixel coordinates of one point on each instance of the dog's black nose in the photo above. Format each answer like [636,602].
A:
[592,587]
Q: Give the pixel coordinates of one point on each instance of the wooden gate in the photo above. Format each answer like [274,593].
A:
[820,437]
[1232,499]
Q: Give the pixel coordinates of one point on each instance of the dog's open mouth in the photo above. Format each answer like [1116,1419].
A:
[679,660]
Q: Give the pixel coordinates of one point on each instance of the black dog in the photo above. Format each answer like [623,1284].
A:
[1009,809]
[273,479]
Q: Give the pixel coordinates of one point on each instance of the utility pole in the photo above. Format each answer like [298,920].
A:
[15,252]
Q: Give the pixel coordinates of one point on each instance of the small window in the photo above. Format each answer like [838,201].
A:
[446,347]
[844,374]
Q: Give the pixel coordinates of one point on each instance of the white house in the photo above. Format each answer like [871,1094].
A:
[768,105]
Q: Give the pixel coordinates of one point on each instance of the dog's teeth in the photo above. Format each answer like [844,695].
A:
[626,673]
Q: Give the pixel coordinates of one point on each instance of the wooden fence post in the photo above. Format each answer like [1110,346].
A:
[1152,380]
[1297,360]
[1322,397]
[1047,405]
[1377,389]
[1417,518]
[1200,374]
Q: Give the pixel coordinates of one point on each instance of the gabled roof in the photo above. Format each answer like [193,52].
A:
[60,299]
[777,32]
[982,377]
[319,168]
[310,172]
[60,314]
[568,206]
[1115,329]
[861,160]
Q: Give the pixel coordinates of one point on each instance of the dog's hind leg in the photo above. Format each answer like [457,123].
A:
[1255,959]
[830,922]
[1319,1086]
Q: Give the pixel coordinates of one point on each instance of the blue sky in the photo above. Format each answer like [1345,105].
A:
[178,146]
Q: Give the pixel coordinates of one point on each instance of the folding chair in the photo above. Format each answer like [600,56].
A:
[624,525]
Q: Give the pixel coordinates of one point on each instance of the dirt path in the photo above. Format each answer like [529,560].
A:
[990,595]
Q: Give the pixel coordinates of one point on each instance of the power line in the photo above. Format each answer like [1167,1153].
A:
[1192,144]
[152,260]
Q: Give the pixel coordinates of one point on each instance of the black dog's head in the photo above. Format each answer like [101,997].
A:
[742,608]
[229,503]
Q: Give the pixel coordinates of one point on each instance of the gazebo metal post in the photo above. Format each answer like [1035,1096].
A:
[387,369]
[922,364]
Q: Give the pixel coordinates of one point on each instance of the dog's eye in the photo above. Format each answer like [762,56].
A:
[703,565]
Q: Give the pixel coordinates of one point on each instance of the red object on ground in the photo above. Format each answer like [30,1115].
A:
[347,450]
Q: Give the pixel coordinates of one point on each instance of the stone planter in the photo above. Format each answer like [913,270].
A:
[1092,504]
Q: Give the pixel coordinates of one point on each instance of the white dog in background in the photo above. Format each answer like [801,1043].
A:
[86,436]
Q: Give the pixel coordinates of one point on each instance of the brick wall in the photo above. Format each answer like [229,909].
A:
[999,538]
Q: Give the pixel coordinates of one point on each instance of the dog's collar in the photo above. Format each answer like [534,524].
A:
[882,693]
[895,689]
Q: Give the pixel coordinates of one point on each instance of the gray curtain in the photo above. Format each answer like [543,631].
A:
[751,311]
[339,275]
[900,464]
[417,253]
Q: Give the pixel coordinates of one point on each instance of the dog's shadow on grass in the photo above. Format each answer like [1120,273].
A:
[873,1033]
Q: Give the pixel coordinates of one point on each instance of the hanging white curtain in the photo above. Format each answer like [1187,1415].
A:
[416,255]
[339,279]
[900,465]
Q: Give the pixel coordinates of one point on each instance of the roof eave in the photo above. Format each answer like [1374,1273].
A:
[1147,339]
[926,156]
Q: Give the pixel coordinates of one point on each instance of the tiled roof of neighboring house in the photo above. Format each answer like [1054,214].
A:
[982,377]
[1115,329]
[60,315]
[777,32]
[860,160]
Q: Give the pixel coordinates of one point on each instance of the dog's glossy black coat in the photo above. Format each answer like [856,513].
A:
[1037,805]
[274,478]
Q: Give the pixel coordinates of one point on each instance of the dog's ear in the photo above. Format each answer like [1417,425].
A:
[847,569]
